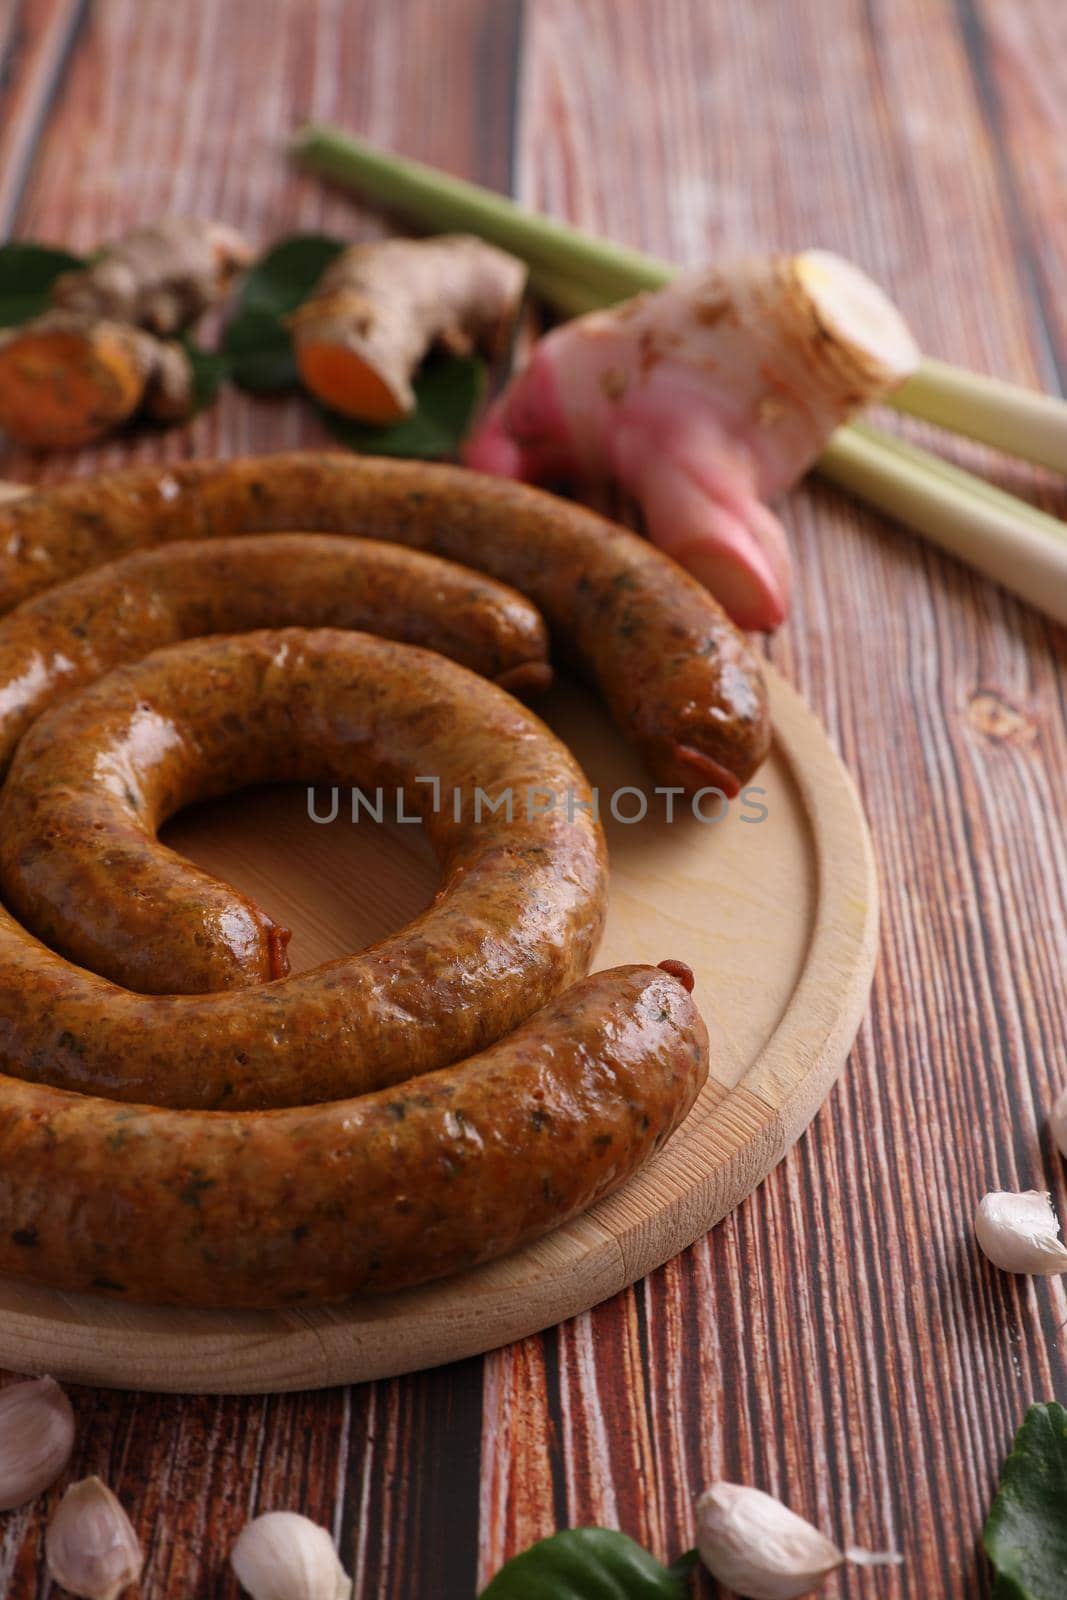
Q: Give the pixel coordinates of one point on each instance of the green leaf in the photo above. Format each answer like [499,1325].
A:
[256,344]
[686,1563]
[27,273]
[208,368]
[259,353]
[286,274]
[585,1564]
[259,356]
[448,391]
[1026,1535]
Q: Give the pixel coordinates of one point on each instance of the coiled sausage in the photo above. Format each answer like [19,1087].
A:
[390,1190]
[71,634]
[680,681]
[518,917]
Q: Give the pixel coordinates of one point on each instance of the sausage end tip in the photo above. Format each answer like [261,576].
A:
[679,970]
[527,680]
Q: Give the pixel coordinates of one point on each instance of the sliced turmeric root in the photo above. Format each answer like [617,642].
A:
[67,380]
[63,383]
[343,379]
[379,307]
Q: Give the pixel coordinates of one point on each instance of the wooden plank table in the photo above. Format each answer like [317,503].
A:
[837,1341]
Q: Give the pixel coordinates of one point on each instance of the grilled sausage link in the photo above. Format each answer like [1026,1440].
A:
[517,919]
[71,634]
[381,1192]
[679,679]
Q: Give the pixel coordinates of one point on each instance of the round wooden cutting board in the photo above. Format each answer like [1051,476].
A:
[775,912]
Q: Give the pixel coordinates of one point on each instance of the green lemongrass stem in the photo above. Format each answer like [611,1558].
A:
[436,200]
[916,458]
[577,272]
[1021,422]
[567,295]
[1000,535]
[971,519]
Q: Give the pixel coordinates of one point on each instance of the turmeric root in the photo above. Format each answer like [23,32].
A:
[379,307]
[703,400]
[104,352]
[67,379]
[160,278]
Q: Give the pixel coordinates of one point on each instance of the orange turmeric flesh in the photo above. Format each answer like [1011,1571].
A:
[344,381]
[379,308]
[60,388]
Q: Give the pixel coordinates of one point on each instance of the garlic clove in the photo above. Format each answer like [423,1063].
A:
[90,1544]
[284,1556]
[36,1439]
[1058,1123]
[1020,1233]
[755,1545]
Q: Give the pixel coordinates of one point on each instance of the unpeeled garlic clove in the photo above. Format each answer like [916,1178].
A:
[36,1439]
[284,1556]
[90,1544]
[755,1545]
[1020,1233]
[1058,1123]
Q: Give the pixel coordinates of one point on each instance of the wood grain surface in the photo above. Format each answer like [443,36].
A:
[836,1341]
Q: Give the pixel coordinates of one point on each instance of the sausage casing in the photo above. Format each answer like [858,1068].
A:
[71,634]
[382,1192]
[518,917]
[94,779]
[679,679]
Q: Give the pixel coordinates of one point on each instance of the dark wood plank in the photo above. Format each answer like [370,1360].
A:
[1019,77]
[1020,63]
[36,41]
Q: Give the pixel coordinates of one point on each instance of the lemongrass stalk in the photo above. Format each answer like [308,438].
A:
[436,200]
[903,467]
[1020,421]
[980,525]
[576,272]
[915,457]
[569,296]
